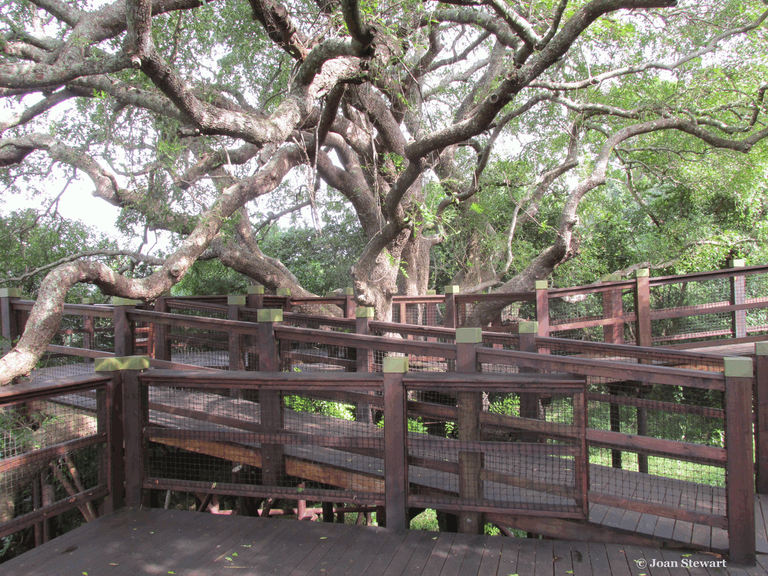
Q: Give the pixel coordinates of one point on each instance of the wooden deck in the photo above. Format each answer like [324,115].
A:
[161,542]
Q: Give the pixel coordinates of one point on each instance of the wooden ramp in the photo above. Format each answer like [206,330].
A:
[162,542]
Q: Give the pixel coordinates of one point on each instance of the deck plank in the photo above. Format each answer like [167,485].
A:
[455,557]
[439,554]
[421,555]
[598,556]
[544,558]
[491,557]
[563,560]
[582,564]
[617,558]
[510,551]
[474,555]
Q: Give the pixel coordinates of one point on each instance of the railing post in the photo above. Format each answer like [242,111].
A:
[740,486]
[643,338]
[761,426]
[8,317]
[395,447]
[270,401]
[349,303]
[542,307]
[738,296]
[162,348]
[89,332]
[236,360]
[287,305]
[613,308]
[470,404]
[529,403]
[128,415]
[124,328]
[363,316]
[451,320]
[255,297]
[643,307]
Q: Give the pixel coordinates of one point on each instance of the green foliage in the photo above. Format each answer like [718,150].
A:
[320,262]
[210,277]
[324,407]
[30,239]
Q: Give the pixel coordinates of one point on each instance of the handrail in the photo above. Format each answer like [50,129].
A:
[648,373]
[439,349]
[66,385]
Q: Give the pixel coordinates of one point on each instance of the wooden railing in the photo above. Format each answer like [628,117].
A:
[627,374]
[58,456]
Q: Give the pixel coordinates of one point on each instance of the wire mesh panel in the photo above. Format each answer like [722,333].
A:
[77,331]
[568,312]
[53,366]
[316,357]
[267,443]
[756,292]
[420,359]
[484,450]
[680,311]
[630,354]
[51,450]
[515,311]
[313,356]
[420,311]
[654,447]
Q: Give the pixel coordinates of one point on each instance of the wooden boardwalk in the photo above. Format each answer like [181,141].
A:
[162,542]
[368,470]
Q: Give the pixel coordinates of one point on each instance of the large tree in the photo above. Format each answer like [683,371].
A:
[187,114]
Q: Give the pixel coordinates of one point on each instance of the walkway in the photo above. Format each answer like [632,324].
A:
[162,542]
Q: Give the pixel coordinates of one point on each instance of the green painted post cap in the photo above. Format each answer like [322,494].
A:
[761,348]
[395,365]
[283,291]
[364,311]
[117,363]
[642,273]
[88,300]
[349,291]
[256,289]
[10,292]
[116,301]
[528,328]
[236,300]
[431,292]
[452,289]
[738,367]
[737,263]
[469,335]
[541,285]
[269,315]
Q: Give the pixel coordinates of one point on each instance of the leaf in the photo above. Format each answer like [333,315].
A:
[323,537]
